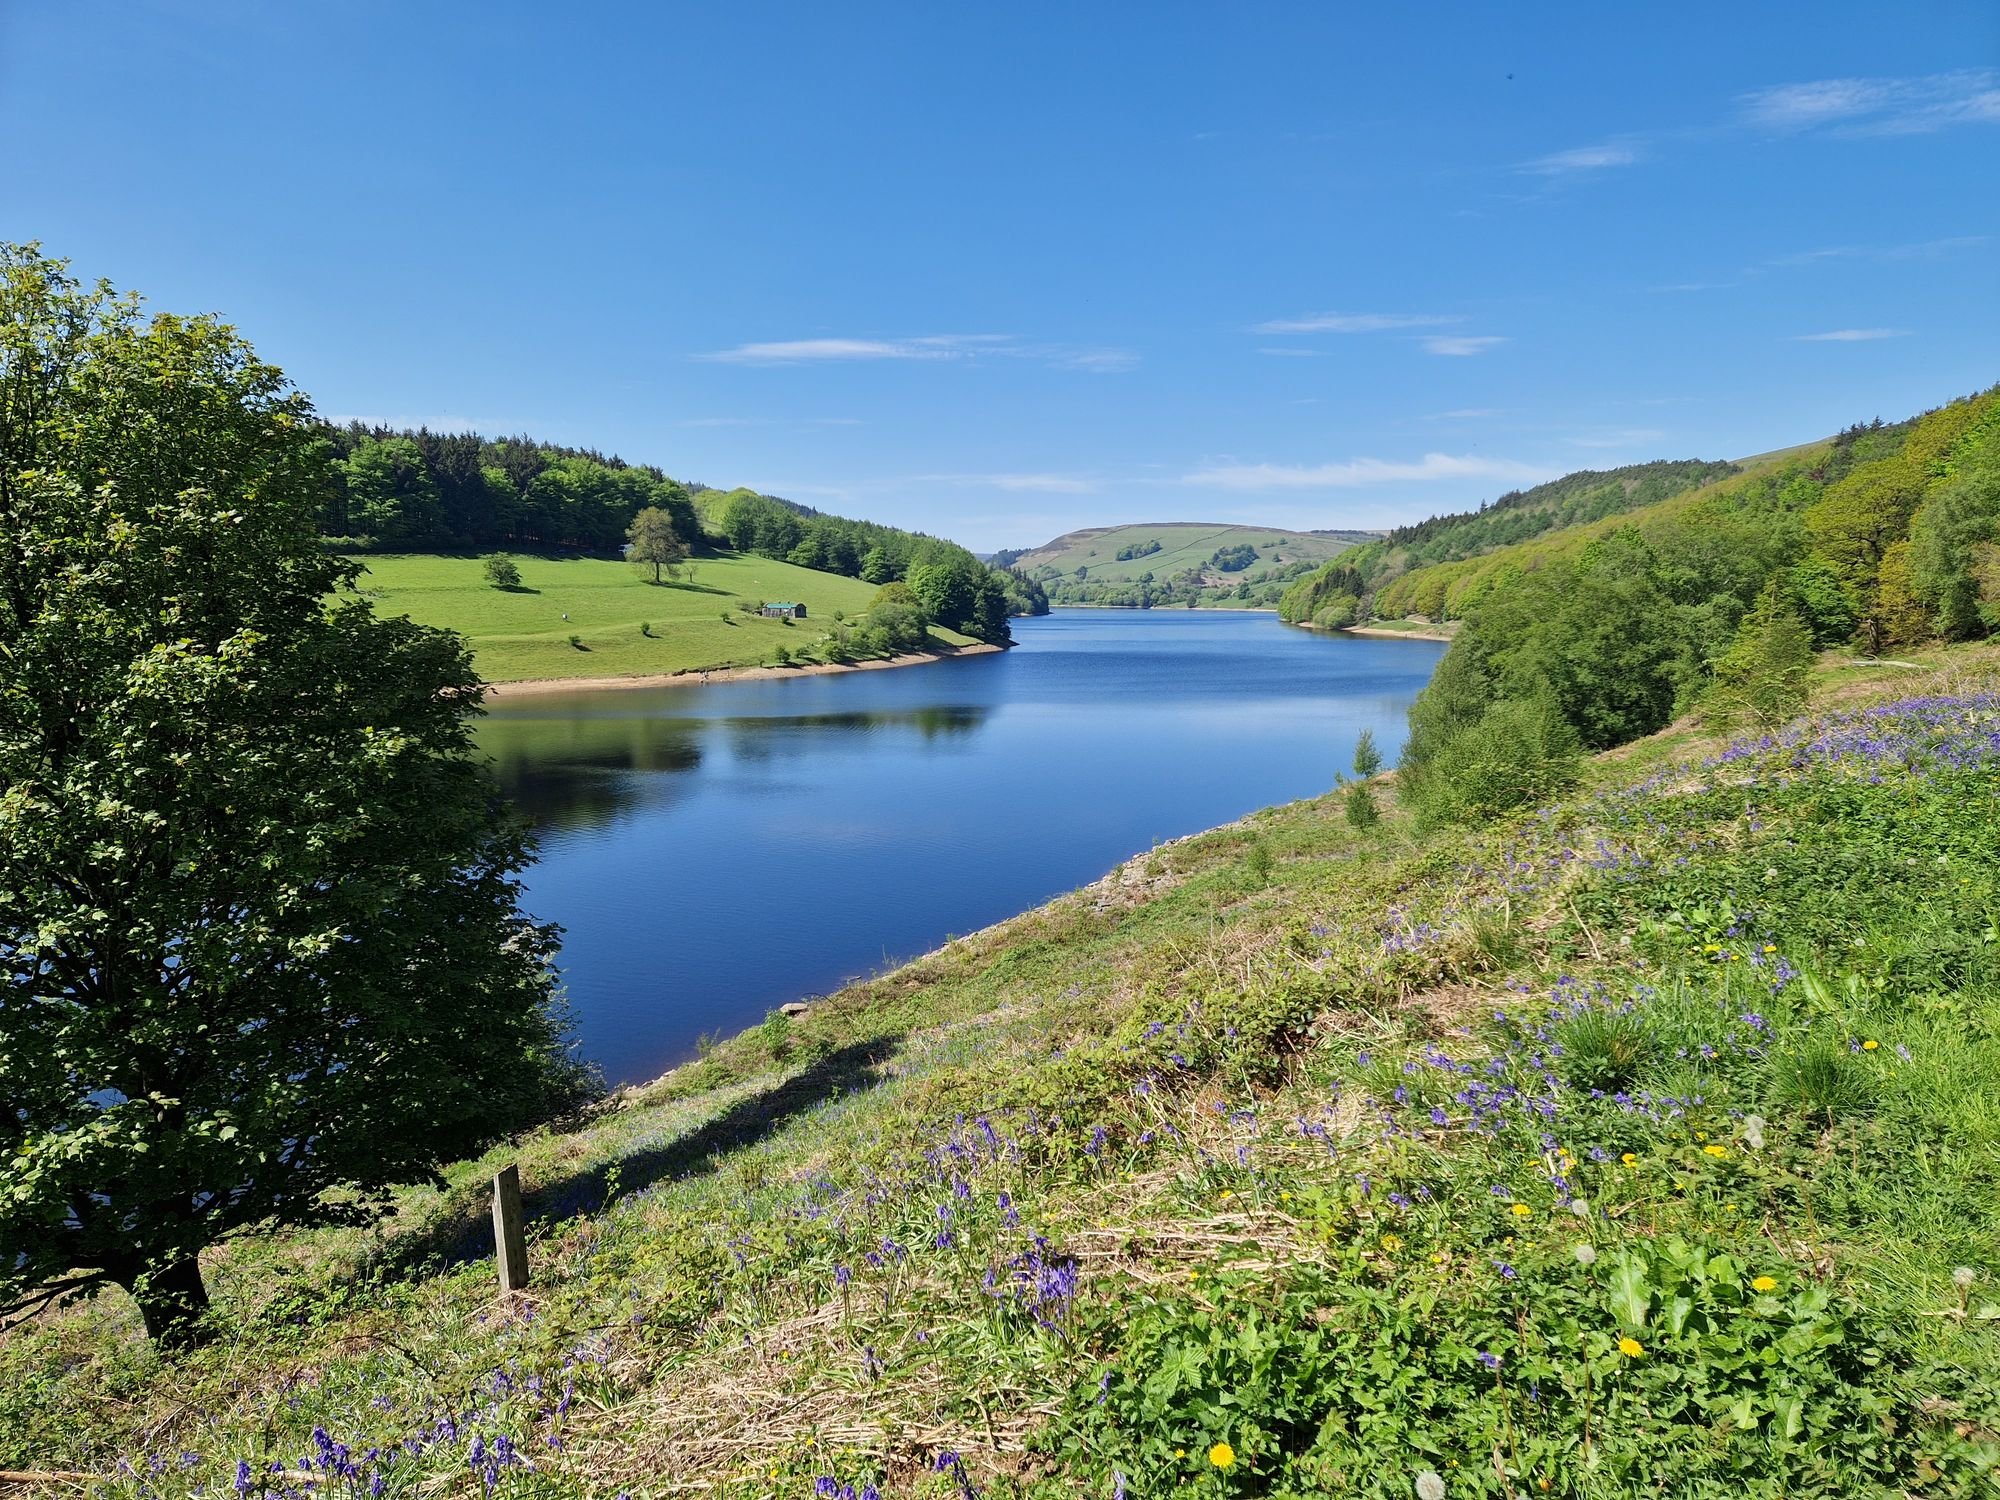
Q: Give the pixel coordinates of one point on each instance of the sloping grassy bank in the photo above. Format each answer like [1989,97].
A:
[585,618]
[1647,1144]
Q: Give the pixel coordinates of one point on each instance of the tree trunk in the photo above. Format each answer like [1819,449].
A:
[174,1303]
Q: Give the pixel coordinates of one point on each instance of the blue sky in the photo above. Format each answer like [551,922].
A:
[999,271]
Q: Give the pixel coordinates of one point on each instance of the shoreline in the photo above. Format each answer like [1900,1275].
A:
[1429,633]
[1401,635]
[532,687]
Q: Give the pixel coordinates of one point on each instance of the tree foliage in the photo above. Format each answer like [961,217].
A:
[1367,759]
[653,544]
[1765,677]
[1715,593]
[263,957]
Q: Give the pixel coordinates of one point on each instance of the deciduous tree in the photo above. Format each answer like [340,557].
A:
[261,956]
[653,543]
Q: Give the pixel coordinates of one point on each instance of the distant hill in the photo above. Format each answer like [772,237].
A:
[1180,562]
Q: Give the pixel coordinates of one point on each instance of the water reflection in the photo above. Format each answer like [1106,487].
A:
[713,851]
[572,772]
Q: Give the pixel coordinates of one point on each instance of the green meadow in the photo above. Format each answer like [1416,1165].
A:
[624,625]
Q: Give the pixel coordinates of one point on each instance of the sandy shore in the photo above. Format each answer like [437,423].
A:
[1401,635]
[695,677]
[1427,633]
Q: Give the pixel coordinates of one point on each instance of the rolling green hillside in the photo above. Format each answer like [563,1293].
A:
[1178,562]
[1882,523]
[1573,500]
[522,634]
[1647,1144]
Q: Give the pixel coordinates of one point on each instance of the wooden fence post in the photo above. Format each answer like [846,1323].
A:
[510,1239]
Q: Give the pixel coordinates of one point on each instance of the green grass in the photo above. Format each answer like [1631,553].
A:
[1183,545]
[1155,1167]
[521,635]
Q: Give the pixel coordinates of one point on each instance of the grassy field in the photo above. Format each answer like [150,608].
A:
[1183,545]
[521,635]
[1646,1144]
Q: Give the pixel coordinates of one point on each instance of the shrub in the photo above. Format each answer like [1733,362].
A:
[1518,754]
[1765,677]
[502,572]
[1257,861]
[1360,806]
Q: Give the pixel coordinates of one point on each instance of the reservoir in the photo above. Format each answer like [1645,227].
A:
[712,852]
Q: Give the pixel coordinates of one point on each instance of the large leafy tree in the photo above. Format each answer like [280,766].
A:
[651,541]
[261,956]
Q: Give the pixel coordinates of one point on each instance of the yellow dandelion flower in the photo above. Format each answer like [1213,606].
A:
[1630,1347]
[1180,1453]
[1770,947]
[1392,1243]
[1765,1284]
[1222,1456]
[1870,1045]
[1629,1159]
[1521,1210]
[1718,1152]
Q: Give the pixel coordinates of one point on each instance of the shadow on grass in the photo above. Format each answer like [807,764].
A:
[515,588]
[684,586]
[462,1230]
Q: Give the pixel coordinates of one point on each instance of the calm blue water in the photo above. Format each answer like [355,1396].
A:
[712,852]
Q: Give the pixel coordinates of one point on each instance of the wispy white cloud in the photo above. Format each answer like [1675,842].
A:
[936,346]
[1581,159]
[1878,106]
[1461,347]
[1850,335]
[1041,484]
[809,351]
[1916,250]
[1359,473]
[1352,322]
[1096,361]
